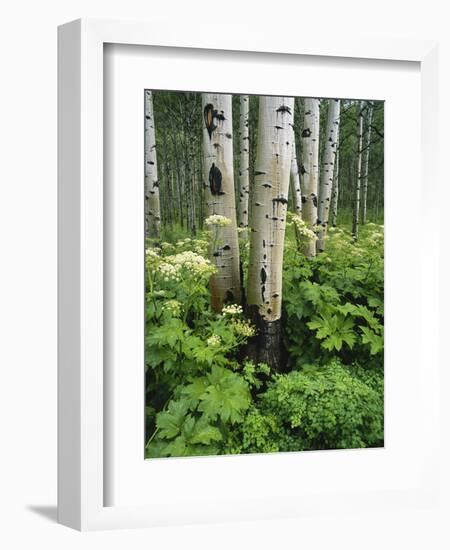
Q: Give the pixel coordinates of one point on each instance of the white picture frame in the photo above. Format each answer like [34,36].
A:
[81,420]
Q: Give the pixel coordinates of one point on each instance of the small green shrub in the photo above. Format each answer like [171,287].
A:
[325,408]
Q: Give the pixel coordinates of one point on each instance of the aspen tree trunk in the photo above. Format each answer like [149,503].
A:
[327,172]
[152,206]
[167,188]
[335,192]
[178,175]
[357,191]
[295,178]
[220,198]
[244,146]
[310,168]
[365,180]
[269,199]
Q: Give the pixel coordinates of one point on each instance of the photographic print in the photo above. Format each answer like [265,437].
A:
[264,273]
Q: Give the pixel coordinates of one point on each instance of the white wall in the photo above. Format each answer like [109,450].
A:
[28,271]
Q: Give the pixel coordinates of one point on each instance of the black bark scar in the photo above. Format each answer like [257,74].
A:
[284,109]
[215,180]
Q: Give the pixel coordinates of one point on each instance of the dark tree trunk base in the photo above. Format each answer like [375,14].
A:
[267,345]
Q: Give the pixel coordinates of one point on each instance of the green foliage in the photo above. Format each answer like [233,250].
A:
[226,396]
[205,410]
[325,407]
[334,330]
[333,303]
[204,397]
[196,388]
[181,434]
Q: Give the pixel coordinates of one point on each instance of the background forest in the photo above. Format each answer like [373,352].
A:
[264,273]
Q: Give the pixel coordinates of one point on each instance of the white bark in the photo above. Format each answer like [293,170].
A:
[220,197]
[327,171]
[357,192]
[244,146]
[365,180]
[295,178]
[152,206]
[310,168]
[335,192]
[269,205]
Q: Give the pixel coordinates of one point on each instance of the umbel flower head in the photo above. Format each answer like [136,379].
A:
[214,340]
[170,267]
[231,310]
[151,253]
[243,328]
[217,220]
[302,229]
[172,306]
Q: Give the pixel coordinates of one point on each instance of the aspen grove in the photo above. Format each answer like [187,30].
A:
[264,254]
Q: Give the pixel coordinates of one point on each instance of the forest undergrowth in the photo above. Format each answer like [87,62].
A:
[205,396]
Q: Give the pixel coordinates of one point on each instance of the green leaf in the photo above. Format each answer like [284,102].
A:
[334,330]
[168,334]
[170,422]
[205,433]
[178,447]
[227,396]
[193,391]
[375,341]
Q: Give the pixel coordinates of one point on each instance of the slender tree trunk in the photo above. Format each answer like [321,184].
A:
[310,168]
[187,163]
[366,166]
[167,189]
[194,195]
[200,201]
[220,197]
[244,146]
[327,172]
[295,178]
[335,192]
[357,191]
[152,206]
[178,175]
[269,198]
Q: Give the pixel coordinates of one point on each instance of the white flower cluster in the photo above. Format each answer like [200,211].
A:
[214,340]
[191,261]
[303,230]
[218,220]
[169,272]
[171,266]
[173,306]
[151,253]
[200,246]
[243,328]
[231,310]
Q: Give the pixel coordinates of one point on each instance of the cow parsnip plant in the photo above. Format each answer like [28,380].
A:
[334,302]
[205,397]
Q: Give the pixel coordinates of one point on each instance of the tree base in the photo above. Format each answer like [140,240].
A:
[267,346]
